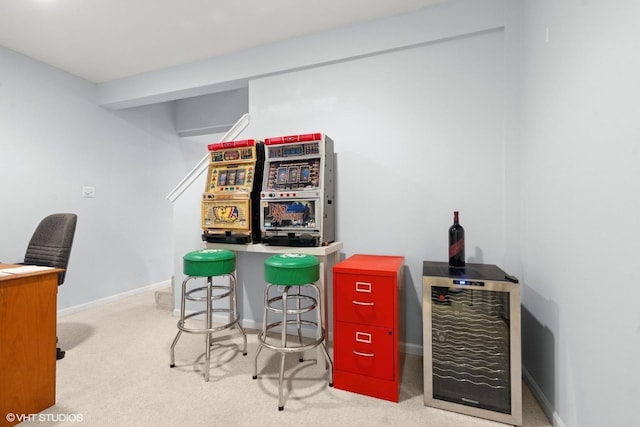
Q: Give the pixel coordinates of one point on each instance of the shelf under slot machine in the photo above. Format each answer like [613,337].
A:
[298,191]
[230,203]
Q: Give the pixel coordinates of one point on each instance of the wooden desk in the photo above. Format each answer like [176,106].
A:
[27,343]
[321,252]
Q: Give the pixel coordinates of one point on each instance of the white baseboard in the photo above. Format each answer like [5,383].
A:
[547,407]
[112,298]
[409,348]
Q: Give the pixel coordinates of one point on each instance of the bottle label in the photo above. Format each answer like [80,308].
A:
[456,248]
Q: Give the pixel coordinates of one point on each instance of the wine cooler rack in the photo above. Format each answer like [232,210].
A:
[472,341]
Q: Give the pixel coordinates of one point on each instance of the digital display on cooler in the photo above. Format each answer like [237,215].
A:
[468,282]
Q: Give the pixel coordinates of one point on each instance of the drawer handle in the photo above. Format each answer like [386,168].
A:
[362,303]
[363,337]
[357,353]
[363,287]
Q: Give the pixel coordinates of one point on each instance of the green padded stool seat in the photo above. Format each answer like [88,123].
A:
[291,273]
[208,263]
[291,269]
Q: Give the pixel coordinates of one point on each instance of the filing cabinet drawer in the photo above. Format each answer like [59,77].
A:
[365,298]
[365,350]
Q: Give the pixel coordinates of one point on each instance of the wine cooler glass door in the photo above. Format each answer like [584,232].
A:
[471,347]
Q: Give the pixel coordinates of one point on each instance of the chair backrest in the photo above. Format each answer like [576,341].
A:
[51,243]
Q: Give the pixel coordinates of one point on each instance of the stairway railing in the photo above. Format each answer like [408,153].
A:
[202,166]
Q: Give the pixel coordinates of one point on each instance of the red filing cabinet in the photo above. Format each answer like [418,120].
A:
[367,292]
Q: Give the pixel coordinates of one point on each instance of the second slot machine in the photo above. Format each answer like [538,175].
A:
[298,191]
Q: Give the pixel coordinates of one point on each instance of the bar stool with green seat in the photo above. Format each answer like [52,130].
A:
[292,273]
[209,263]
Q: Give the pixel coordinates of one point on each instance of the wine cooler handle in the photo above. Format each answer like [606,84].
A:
[357,353]
[362,303]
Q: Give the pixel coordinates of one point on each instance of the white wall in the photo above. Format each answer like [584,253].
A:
[55,139]
[418,134]
[580,207]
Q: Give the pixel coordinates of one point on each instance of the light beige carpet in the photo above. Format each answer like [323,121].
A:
[116,373]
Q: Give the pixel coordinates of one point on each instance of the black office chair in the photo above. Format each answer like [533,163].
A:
[50,246]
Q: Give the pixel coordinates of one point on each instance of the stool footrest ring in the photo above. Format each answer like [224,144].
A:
[295,348]
[203,289]
[207,330]
[313,303]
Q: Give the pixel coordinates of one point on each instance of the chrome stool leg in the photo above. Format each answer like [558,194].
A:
[299,324]
[207,338]
[172,363]
[283,345]
[208,330]
[263,334]
[280,305]
[233,311]
[321,335]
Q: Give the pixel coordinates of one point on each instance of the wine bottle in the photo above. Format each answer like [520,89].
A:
[456,243]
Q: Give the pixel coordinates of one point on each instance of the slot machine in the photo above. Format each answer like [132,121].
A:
[230,203]
[297,198]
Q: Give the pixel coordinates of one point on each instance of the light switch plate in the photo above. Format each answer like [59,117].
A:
[88,192]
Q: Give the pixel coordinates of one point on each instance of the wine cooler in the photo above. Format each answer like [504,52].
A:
[471,331]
